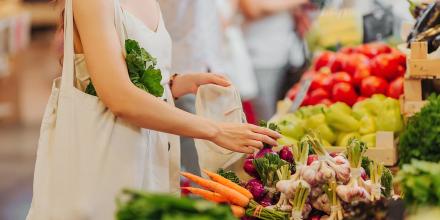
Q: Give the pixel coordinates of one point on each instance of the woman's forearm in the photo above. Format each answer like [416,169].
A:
[254,9]
[144,110]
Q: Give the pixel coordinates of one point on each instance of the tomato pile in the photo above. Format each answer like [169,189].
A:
[353,74]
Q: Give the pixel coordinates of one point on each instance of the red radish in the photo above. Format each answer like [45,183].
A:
[317,95]
[344,92]
[396,88]
[249,168]
[341,77]
[286,154]
[373,85]
[184,182]
[324,59]
[334,154]
[360,74]
[312,158]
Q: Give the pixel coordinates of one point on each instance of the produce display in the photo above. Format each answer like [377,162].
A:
[135,205]
[353,74]
[294,184]
[420,139]
[339,122]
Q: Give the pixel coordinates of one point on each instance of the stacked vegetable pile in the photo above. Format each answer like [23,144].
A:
[353,74]
[338,123]
[291,184]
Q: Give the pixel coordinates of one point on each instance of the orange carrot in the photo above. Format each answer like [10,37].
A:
[219,179]
[238,211]
[231,195]
[208,195]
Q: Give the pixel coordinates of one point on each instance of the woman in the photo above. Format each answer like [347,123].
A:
[90,147]
[272,45]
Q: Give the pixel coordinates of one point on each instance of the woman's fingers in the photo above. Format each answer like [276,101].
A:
[218,80]
[265,131]
[244,149]
[254,143]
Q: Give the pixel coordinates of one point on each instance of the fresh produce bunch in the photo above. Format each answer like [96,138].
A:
[136,205]
[353,74]
[338,122]
[420,183]
[330,184]
[421,137]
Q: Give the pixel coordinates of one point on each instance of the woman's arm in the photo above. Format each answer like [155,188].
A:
[105,62]
[254,9]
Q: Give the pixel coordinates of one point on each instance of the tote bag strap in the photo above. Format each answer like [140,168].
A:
[119,24]
[67,76]
[68,58]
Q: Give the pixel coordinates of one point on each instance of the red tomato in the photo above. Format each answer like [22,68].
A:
[312,158]
[360,74]
[317,95]
[341,77]
[291,94]
[396,88]
[356,61]
[361,98]
[401,71]
[320,80]
[344,92]
[324,59]
[347,50]
[373,49]
[401,57]
[386,66]
[326,102]
[373,85]
[338,63]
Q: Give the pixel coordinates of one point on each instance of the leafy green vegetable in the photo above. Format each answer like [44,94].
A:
[136,205]
[267,167]
[420,182]
[141,70]
[421,138]
[228,175]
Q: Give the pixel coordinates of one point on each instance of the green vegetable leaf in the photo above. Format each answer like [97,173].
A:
[228,175]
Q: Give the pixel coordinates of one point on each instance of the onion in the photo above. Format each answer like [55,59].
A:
[264,151]
[249,168]
[256,187]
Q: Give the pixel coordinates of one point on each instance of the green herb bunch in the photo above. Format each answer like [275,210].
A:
[421,138]
[141,70]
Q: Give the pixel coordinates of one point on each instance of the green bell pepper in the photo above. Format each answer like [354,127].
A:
[339,118]
[369,139]
[343,138]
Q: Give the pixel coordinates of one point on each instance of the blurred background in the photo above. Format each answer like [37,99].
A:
[29,62]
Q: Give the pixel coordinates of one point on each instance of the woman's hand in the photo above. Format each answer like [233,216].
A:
[244,138]
[189,83]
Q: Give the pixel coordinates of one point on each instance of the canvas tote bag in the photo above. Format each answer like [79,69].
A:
[85,154]
[221,104]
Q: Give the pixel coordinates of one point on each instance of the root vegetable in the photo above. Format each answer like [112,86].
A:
[238,211]
[228,183]
[322,203]
[208,195]
[352,194]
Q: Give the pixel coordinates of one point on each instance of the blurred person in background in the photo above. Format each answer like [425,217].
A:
[273,45]
[238,64]
[195,29]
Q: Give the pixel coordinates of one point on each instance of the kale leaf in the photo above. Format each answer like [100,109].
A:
[141,70]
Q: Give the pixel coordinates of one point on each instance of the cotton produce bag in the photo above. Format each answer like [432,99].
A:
[221,104]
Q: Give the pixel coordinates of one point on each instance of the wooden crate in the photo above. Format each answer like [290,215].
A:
[385,150]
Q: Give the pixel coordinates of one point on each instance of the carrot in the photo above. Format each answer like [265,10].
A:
[238,211]
[208,195]
[219,179]
[231,195]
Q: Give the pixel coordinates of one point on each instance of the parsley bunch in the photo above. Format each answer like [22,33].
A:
[141,69]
